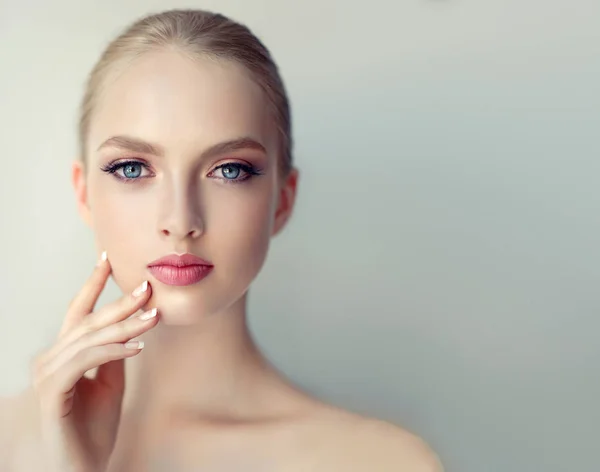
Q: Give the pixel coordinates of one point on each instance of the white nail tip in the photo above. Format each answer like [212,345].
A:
[102,259]
[148,315]
[134,344]
[141,289]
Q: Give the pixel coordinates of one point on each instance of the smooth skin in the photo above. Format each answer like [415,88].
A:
[199,395]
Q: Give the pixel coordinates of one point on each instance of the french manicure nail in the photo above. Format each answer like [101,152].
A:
[134,344]
[103,258]
[148,315]
[141,289]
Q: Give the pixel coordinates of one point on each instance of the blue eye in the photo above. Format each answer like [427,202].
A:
[132,171]
[230,171]
[236,172]
[127,171]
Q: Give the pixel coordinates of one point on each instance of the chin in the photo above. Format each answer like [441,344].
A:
[177,307]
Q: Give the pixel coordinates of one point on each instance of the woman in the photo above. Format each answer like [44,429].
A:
[185,173]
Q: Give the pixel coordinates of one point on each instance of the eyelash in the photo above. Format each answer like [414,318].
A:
[113,167]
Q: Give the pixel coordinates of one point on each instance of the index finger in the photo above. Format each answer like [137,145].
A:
[84,302]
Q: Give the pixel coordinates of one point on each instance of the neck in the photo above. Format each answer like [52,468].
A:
[210,370]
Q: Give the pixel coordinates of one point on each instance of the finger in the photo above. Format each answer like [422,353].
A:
[56,387]
[112,313]
[86,299]
[115,333]
[120,332]
[116,311]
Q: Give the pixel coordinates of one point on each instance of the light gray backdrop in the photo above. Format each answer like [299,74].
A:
[442,267]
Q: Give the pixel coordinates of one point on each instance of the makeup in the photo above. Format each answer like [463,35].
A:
[180,270]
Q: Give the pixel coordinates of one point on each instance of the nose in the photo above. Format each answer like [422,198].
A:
[180,215]
[175,233]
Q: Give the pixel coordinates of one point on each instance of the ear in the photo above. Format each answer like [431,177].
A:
[287,198]
[81,193]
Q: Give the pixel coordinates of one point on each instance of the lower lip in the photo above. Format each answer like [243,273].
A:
[180,276]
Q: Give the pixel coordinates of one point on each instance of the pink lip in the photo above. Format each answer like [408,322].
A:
[186,269]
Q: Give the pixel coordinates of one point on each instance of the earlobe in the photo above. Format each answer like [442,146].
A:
[81,195]
[286,200]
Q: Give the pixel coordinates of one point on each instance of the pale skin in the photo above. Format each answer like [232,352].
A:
[199,395]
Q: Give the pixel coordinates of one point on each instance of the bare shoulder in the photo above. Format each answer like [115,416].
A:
[349,441]
[397,448]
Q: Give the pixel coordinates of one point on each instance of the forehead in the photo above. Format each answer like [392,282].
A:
[184,104]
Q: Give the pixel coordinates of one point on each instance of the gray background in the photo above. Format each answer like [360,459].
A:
[441,269]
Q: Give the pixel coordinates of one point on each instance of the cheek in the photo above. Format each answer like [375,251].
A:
[114,216]
[240,229]
[118,213]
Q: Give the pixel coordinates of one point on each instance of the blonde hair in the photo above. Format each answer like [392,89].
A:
[196,32]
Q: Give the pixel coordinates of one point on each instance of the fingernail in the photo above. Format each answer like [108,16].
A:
[148,315]
[134,344]
[103,258]
[141,289]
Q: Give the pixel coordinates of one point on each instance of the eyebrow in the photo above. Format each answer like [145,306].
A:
[140,146]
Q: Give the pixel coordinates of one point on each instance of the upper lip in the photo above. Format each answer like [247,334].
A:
[180,260]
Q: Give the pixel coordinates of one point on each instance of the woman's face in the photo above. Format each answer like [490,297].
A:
[201,177]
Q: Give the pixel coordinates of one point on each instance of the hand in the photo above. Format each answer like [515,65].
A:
[79,416]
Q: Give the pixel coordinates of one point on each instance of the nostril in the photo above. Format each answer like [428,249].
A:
[192,233]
